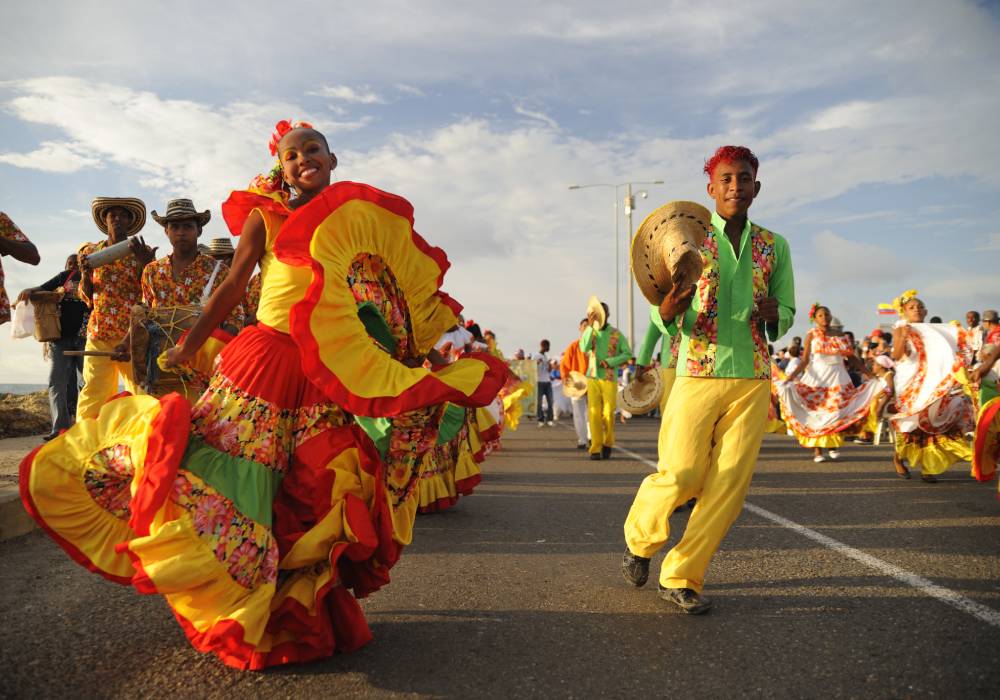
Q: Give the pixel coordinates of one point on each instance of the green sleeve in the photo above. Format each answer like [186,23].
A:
[624,352]
[648,348]
[588,333]
[669,329]
[782,288]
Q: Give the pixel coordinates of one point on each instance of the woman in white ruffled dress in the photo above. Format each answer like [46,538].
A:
[818,400]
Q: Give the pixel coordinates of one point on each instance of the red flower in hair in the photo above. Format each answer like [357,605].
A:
[282,128]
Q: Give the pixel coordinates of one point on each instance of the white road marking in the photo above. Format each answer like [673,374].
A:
[925,586]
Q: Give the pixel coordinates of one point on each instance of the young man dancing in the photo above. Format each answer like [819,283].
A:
[714,420]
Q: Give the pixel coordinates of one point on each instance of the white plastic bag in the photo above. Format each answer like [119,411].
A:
[23,321]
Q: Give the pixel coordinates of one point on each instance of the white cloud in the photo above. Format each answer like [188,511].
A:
[989,242]
[53,157]
[843,260]
[538,116]
[412,90]
[345,93]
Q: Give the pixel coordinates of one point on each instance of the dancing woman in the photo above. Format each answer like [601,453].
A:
[930,413]
[824,403]
[258,511]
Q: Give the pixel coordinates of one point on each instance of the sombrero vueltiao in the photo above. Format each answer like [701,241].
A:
[133,205]
[642,395]
[666,248]
[179,210]
[220,247]
[595,307]
[575,385]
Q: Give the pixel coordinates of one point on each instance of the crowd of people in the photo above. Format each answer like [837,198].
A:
[329,391]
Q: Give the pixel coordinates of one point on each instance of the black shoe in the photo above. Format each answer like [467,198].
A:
[635,569]
[595,456]
[582,446]
[605,453]
[687,599]
[50,436]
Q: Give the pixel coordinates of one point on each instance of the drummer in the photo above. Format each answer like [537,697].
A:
[110,290]
[182,278]
[186,276]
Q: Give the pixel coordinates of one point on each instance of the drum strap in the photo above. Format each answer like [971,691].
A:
[207,292]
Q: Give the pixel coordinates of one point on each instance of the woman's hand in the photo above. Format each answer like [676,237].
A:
[176,355]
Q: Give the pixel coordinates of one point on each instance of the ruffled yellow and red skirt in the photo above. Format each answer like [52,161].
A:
[986,448]
[451,469]
[255,513]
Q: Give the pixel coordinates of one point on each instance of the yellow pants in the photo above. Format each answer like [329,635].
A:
[668,374]
[710,435]
[602,398]
[100,380]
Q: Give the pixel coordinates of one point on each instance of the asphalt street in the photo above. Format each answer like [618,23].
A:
[517,592]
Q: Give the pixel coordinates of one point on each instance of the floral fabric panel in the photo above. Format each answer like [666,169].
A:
[160,288]
[116,290]
[703,338]
[823,344]
[242,425]
[764,255]
[246,548]
[370,279]
[10,232]
[413,434]
[108,480]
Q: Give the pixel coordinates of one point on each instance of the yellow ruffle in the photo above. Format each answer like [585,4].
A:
[57,487]
[830,442]
[936,457]
[512,404]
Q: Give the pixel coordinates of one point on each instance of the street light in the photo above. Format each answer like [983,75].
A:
[629,206]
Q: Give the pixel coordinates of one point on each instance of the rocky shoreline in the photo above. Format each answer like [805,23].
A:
[22,415]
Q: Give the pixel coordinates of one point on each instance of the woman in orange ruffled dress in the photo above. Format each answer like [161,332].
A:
[263,511]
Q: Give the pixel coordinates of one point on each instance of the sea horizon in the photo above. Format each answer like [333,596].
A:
[22,388]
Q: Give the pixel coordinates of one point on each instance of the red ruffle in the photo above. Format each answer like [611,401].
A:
[168,438]
[237,208]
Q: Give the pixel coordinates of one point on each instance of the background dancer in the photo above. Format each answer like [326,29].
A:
[607,349]
[714,421]
[825,403]
[573,360]
[930,413]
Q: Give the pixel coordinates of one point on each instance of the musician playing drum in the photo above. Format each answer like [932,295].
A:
[185,277]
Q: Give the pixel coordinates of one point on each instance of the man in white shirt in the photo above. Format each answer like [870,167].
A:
[544,385]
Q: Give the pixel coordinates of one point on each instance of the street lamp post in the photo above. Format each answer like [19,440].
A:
[629,206]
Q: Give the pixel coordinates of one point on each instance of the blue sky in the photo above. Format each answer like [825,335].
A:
[875,124]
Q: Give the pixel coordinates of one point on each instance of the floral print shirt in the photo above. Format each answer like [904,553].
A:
[611,347]
[252,299]
[8,231]
[116,290]
[719,336]
[159,288]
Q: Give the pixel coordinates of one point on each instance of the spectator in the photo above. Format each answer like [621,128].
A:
[65,371]
[544,385]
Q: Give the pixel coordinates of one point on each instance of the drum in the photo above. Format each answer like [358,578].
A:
[154,331]
[47,325]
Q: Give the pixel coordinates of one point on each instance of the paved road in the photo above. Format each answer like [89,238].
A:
[517,592]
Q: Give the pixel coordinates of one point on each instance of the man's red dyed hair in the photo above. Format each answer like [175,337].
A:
[731,154]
